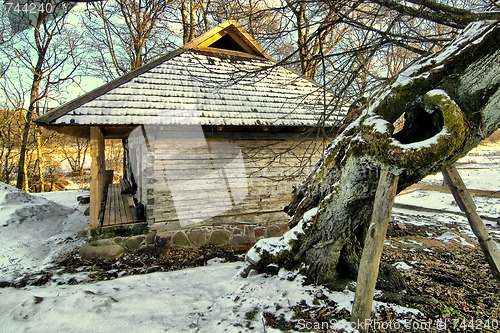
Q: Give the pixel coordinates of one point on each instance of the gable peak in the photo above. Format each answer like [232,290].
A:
[229,36]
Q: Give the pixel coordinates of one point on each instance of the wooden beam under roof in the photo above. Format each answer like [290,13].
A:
[83,131]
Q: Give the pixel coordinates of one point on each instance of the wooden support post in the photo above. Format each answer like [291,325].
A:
[466,204]
[97,177]
[372,251]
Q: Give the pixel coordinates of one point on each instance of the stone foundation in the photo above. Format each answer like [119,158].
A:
[159,243]
[237,235]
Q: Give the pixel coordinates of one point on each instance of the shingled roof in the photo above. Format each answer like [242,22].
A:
[221,78]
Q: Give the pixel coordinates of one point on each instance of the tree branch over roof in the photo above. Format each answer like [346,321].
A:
[439,13]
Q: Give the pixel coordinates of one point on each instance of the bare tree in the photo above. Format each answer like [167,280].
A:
[194,19]
[39,50]
[10,140]
[450,102]
[314,39]
[354,48]
[74,150]
[128,33]
[257,17]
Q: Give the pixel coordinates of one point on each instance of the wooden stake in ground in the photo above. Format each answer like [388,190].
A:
[372,251]
[466,204]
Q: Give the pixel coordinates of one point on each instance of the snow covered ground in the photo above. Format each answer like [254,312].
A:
[35,229]
[206,299]
[480,170]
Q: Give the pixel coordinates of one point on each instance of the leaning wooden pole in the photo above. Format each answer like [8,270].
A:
[372,251]
[466,204]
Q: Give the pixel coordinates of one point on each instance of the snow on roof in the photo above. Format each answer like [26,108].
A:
[203,85]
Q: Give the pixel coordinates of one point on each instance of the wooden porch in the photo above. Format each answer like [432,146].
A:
[119,207]
[119,218]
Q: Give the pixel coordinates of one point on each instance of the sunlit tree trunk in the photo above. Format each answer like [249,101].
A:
[22,174]
[42,44]
[41,164]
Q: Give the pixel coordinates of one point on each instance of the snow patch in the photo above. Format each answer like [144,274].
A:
[401,265]
[276,245]
[415,242]
[469,36]
[308,216]
[437,92]
[451,236]
[422,144]
[379,125]
[34,229]
[205,299]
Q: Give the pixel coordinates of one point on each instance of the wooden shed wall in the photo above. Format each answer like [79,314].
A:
[191,177]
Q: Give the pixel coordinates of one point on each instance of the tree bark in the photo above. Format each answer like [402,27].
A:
[42,43]
[450,102]
[41,164]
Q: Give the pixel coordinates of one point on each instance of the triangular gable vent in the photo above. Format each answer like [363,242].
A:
[228,36]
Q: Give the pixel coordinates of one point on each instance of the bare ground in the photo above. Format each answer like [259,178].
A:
[450,283]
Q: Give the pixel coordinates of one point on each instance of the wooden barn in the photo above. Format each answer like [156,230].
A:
[215,134]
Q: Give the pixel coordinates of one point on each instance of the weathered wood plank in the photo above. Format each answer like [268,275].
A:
[164,184]
[128,211]
[243,143]
[253,170]
[125,186]
[206,214]
[112,209]
[129,200]
[118,208]
[260,154]
[372,251]
[118,205]
[266,165]
[466,204]
[128,208]
[190,196]
[97,176]
[166,202]
[120,214]
[253,195]
[123,209]
[262,158]
[112,214]
[105,221]
[255,218]
[108,214]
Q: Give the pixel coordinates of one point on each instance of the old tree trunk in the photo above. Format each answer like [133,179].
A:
[450,101]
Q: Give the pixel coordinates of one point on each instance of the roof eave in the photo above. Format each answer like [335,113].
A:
[51,116]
